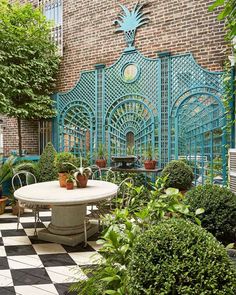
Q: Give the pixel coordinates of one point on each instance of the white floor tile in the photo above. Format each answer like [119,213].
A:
[5,278]
[94,245]
[2,251]
[48,248]
[12,225]
[45,213]
[8,215]
[65,274]
[30,231]
[24,261]
[46,289]
[26,219]
[86,258]
[46,223]
[14,241]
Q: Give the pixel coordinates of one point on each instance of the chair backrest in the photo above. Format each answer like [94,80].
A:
[124,195]
[22,178]
[104,174]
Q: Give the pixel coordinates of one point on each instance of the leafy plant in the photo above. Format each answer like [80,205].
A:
[63,162]
[70,178]
[179,257]
[28,63]
[79,170]
[46,166]
[26,165]
[101,154]
[149,154]
[6,171]
[123,227]
[220,210]
[179,174]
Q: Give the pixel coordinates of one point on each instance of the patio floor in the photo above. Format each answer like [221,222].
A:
[33,267]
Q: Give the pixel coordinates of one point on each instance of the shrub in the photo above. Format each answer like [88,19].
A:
[46,166]
[220,210]
[179,257]
[180,175]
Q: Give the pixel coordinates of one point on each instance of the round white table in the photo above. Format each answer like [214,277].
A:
[68,207]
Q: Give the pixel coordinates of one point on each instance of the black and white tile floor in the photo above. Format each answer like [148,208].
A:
[32,267]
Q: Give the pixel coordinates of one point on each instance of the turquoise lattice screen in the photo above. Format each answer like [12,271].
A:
[169,103]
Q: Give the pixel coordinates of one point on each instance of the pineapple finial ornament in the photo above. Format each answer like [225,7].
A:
[129,21]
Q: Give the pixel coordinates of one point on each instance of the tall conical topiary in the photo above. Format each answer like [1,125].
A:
[46,167]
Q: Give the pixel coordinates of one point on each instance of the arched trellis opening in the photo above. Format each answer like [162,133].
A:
[77,127]
[199,135]
[130,117]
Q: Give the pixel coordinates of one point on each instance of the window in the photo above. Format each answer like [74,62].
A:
[52,9]
[45,134]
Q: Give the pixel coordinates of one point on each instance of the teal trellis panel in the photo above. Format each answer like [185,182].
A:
[168,103]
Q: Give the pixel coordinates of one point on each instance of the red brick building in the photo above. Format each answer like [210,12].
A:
[89,38]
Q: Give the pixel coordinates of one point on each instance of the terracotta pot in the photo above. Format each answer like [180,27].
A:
[3,204]
[81,181]
[62,179]
[0,191]
[16,208]
[101,163]
[149,164]
[154,163]
[69,185]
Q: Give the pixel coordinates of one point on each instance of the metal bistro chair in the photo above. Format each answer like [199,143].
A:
[21,179]
[121,199]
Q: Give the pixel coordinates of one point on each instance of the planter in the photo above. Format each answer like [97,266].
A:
[62,179]
[0,191]
[101,163]
[16,208]
[149,165]
[69,185]
[3,205]
[81,181]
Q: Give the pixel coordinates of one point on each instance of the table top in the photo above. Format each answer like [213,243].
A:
[50,193]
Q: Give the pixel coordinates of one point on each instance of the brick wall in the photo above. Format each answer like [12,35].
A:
[178,26]
[29,131]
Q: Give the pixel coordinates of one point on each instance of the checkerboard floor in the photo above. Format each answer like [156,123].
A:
[29,266]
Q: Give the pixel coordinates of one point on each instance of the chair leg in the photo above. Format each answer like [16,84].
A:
[85,234]
[35,222]
[18,216]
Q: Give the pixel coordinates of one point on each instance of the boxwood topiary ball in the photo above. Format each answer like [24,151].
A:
[179,257]
[219,204]
[180,175]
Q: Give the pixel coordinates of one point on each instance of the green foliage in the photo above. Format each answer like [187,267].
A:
[101,154]
[28,63]
[26,165]
[46,166]
[228,13]
[63,162]
[123,227]
[179,174]
[220,210]
[179,257]
[6,171]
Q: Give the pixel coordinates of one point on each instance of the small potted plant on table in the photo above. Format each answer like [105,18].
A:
[149,163]
[64,163]
[101,161]
[70,182]
[81,174]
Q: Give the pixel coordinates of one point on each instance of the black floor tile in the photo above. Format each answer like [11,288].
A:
[4,263]
[1,242]
[78,248]
[8,220]
[95,237]
[45,218]
[31,225]
[63,289]
[88,269]
[35,240]
[13,232]
[7,291]
[19,250]
[31,276]
[56,260]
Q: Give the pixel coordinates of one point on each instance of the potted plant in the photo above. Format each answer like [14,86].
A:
[15,206]
[63,163]
[101,161]
[81,174]
[6,173]
[70,182]
[149,163]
